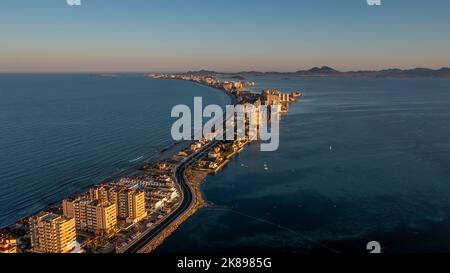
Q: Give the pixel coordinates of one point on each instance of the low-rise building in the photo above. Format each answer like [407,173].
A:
[8,244]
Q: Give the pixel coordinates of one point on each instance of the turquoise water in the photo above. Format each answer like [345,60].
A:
[61,133]
[386,176]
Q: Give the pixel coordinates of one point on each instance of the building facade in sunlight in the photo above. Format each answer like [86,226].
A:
[52,233]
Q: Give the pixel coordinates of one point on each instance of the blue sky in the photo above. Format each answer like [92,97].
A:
[177,35]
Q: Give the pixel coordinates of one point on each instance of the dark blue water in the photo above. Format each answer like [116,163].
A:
[61,133]
[386,176]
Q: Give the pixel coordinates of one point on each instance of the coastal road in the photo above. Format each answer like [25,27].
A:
[186,203]
[187,196]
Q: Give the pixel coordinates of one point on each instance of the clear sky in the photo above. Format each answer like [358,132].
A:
[225,35]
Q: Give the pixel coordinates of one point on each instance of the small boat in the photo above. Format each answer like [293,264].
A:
[266,167]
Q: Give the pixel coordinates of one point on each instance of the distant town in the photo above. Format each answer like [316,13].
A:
[138,210]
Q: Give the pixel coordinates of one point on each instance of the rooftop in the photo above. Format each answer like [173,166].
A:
[50,217]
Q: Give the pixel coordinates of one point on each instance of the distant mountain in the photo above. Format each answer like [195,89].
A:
[406,73]
[202,72]
[325,71]
[319,71]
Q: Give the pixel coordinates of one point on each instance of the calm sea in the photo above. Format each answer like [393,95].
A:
[359,159]
[61,133]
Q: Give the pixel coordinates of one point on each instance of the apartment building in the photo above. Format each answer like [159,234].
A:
[52,233]
[93,216]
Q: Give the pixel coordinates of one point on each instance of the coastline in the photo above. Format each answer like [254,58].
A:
[186,173]
[162,155]
[195,177]
[195,180]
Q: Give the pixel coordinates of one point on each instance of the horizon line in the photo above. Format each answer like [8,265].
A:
[202,69]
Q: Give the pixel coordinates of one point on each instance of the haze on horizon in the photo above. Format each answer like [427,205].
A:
[263,35]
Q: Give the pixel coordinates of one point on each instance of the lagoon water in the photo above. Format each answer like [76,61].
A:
[386,176]
[359,159]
